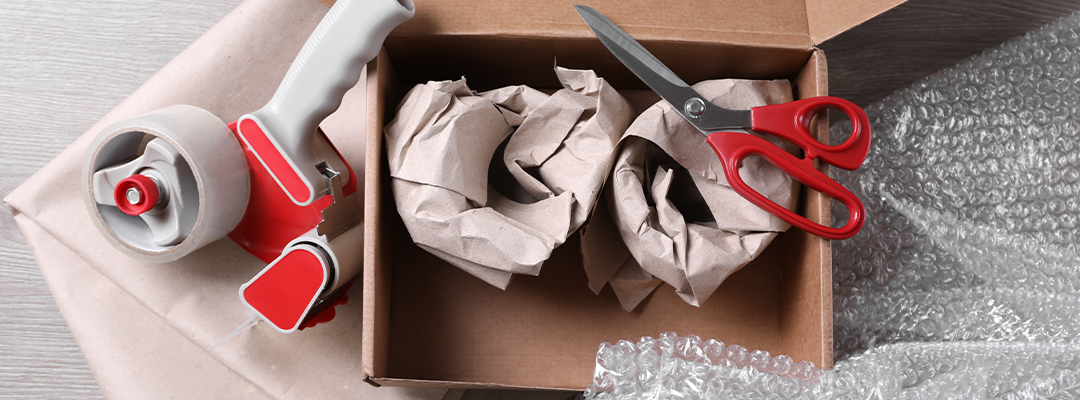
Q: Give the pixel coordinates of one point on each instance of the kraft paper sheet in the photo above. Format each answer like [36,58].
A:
[492,182]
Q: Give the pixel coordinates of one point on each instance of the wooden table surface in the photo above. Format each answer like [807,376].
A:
[63,65]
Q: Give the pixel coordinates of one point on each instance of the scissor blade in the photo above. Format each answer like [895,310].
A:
[629,51]
[659,78]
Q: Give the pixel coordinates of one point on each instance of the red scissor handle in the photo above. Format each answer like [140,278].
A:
[733,147]
[791,121]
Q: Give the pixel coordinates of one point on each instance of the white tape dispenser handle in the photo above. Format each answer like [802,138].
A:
[282,134]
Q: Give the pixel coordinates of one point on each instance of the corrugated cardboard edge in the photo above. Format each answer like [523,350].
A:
[764,22]
[812,310]
[377,235]
[422,383]
[828,18]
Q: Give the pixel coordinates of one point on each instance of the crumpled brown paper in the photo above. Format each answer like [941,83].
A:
[678,219]
[497,218]
[145,328]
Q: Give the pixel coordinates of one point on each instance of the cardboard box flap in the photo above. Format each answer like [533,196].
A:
[828,18]
[772,23]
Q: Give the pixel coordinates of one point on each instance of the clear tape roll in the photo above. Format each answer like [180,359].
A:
[212,189]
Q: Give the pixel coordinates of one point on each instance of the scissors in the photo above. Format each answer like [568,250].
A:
[790,121]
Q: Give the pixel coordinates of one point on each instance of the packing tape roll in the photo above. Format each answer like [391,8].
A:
[209,194]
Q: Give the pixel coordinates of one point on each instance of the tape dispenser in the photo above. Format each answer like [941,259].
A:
[164,184]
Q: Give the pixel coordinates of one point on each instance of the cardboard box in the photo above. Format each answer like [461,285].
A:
[428,324]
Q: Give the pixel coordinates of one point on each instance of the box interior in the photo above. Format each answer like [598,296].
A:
[427,323]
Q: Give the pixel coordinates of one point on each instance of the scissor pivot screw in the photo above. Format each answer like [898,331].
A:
[694,107]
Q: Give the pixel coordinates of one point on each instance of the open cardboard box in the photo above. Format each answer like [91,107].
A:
[427,323]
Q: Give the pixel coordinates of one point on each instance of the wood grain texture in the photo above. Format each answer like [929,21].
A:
[65,64]
[921,37]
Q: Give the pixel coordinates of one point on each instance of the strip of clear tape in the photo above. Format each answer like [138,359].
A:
[965,281]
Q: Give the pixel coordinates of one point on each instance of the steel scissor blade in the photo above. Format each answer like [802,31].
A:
[629,51]
[708,118]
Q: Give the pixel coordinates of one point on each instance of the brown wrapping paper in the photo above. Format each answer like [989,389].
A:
[498,218]
[145,328]
[673,217]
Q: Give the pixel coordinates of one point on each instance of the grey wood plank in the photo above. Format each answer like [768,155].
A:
[921,37]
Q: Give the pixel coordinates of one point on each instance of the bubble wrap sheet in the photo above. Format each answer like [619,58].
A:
[965,281]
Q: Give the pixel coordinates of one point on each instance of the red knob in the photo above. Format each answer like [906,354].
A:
[136,194]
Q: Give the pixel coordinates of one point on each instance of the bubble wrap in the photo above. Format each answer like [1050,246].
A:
[965,281]
[971,190]
[674,367]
